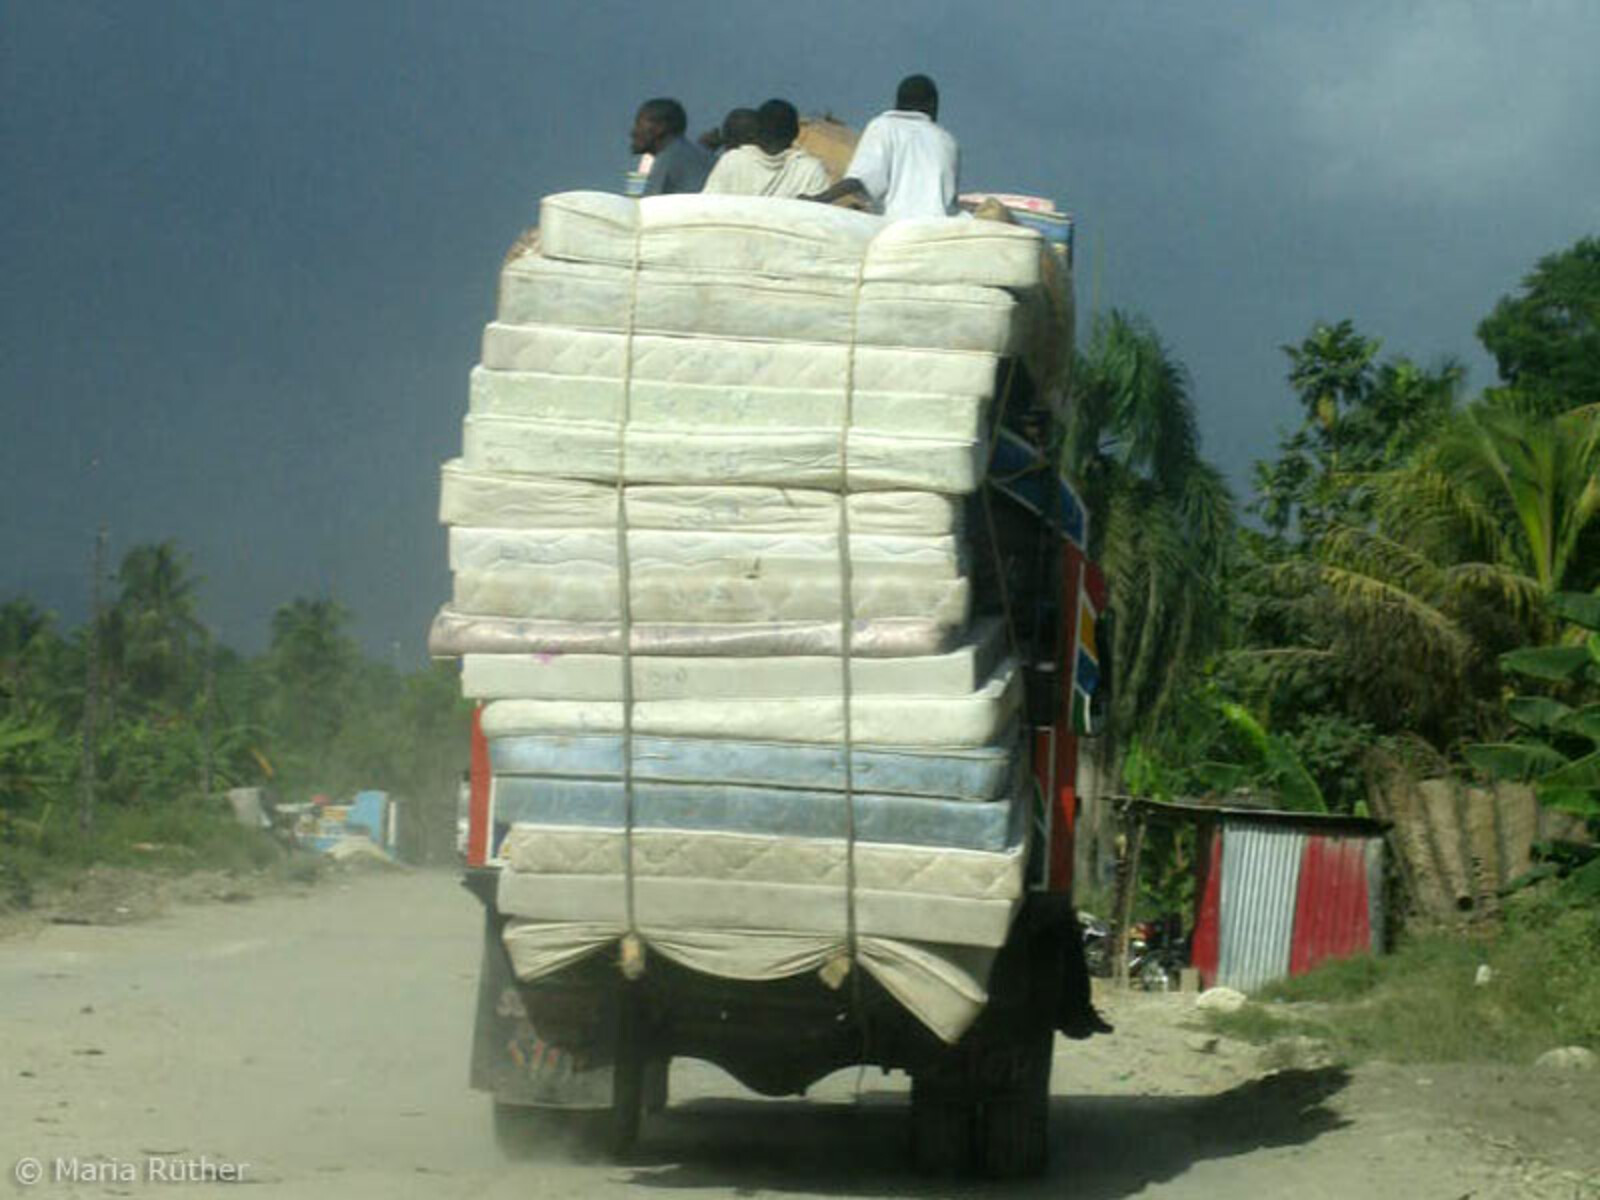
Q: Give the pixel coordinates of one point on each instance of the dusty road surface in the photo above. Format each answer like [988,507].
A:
[316,1044]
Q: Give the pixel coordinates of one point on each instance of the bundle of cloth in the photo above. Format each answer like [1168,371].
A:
[713,583]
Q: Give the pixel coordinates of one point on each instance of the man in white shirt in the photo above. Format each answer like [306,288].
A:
[773,165]
[906,164]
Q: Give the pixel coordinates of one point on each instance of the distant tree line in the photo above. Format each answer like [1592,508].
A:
[176,714]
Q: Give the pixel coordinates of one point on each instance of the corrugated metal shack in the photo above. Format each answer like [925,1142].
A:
[1278,892]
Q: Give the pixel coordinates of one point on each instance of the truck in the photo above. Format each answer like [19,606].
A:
[584,1029]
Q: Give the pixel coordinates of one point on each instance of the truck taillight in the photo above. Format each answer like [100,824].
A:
[478,815]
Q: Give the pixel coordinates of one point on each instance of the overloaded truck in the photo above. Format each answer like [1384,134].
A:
[779,620]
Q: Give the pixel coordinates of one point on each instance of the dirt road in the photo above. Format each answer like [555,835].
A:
[316,1044]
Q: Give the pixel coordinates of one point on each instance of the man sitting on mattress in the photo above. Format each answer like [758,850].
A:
[773,165]
[678,164]
[906,164]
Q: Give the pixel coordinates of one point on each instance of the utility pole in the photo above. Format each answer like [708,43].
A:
[91,684]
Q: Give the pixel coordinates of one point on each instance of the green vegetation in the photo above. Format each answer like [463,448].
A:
[1423,1003]
[178,719]
[1408,543]
[1417,580]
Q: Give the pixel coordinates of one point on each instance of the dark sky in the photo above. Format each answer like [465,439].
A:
[247,248]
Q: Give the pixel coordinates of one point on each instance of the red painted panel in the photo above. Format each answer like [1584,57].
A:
[1058,778]
[478,805]
[1332,911]
[1207,947]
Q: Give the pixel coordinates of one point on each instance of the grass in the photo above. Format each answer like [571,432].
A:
[175,837]
[1423,1002]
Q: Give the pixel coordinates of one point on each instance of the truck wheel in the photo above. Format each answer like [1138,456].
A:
[941,1129]
[619,1125]
[656,1073]
[1014,1129]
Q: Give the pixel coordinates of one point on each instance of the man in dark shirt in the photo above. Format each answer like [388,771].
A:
[679,165]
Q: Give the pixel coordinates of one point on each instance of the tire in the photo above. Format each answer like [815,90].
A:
[942,1130]
[618,1132]
[1014,1127]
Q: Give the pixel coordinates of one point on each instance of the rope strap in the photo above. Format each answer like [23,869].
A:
[632,958]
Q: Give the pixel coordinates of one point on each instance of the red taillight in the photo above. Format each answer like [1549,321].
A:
[478,810]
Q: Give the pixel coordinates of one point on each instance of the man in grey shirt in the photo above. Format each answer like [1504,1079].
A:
[679,165]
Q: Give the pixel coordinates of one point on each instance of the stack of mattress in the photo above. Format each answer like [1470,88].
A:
[712,473]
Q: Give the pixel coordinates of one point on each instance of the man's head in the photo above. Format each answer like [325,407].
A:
[778,124]
[917,93]
[658,122]
[740,127]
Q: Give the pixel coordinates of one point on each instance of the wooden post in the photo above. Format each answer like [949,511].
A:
[1127,892]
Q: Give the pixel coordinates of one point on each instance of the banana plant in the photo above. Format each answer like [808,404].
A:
[1557,744]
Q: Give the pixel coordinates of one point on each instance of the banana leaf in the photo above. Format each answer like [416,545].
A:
[1581,608]
[1583,722]
[1557,663]
[1537,712]
[1515,760]
[1582,773]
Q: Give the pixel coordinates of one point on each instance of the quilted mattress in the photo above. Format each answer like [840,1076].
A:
[667,593]
[716,904]
[453,634]
[804,457]
[536,290]
[670,404]
[744,808]
[979,773]
[661,677]
[714,551]
[976,719]
[755,858]
[497,499]
[729,363]
[787,238]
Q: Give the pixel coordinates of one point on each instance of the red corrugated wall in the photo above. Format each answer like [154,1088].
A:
[1208,921]
[1332,912]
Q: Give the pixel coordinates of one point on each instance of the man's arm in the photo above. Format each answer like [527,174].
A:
[847,186]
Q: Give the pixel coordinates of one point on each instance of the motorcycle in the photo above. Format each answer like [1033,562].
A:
[1157,951]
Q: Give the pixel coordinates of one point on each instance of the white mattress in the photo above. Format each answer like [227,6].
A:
[754,858]
[956,672]
[669,404]
[728,363]
[803,457]
[976,719]
[786,238]
[498,499]
[716,551]
[737,905]
[668,593]
[453,634]
[537,290]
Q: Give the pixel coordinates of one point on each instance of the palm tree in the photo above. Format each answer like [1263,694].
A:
[311,660]
[153,630]
[1404,618]
[1161,518]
